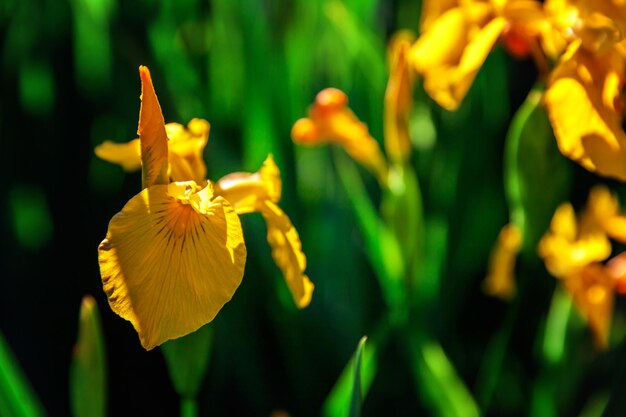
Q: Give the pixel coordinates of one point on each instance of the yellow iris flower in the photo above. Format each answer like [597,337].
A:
[330,120]
[175,254]
[574,250]
[457,36]
[585,92]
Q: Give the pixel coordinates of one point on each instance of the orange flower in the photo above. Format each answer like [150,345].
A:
[331,120]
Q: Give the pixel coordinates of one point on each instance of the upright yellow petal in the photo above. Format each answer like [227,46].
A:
[398,98]
[128,155]
[151,131]
[171,259]
[287,253]
[500,280]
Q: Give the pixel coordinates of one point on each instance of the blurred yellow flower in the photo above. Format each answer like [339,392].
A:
[500,280]
[585,91]
[456,38]
[574,250]
[331,120]
[175,254]
[398,98]
[260,192]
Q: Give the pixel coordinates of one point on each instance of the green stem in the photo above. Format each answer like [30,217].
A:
[188,407]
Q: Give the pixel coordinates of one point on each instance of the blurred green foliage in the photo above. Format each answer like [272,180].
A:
[69,81]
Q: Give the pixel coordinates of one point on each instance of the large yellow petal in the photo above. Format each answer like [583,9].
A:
[587,129]
[287,253]
[398,98]
[151,131]
[448,85]
[128,155]
[443,43]
[171,259]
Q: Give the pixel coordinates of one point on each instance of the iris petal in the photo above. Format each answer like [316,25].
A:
[287,253]
[171,259]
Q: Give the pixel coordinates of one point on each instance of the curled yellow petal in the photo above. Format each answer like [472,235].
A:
[331,120]
[586,125]
[128,155]
[247,192]
[287,253]
[259,192]
[171,259]
[151,131]
[449,85]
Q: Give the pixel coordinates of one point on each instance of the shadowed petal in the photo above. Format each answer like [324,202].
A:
[587,127]
[171,259]
[186,148]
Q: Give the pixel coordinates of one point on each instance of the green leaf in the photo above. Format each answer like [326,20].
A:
[537,176]
[187,359]
[353,383]
[17,398]
[357,393]
[403,214]
[88,378]
[383,249]
[439,384]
